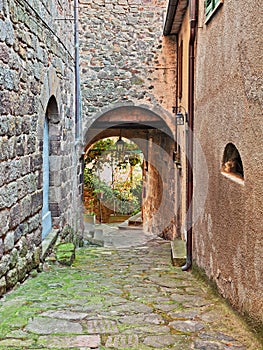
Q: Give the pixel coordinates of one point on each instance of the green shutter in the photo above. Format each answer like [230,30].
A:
[208,7]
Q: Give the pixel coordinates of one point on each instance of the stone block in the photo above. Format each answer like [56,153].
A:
[29,261]
[11,278]
[55,147]
[55,178]
[6,105]
[25,208]
[37,256]
[3,124]
[4,222]
[25,165]
[12,147]
[30,183]
[31,144]
[2,30]
[13,258]
[21,269]
[55,209]
[34,222]
[4,148]
[9,33]
[36,162]
[9,242]
[11,170]
[65,253]
[4,265]
[2,286]
[22,247]
[14,216]
[18,125]
[1,248]
[18,232]
[34,238]
[20,145]
[21,188]
[37,201]
[55,163]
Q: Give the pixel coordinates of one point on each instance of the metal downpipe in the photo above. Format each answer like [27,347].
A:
[189,196]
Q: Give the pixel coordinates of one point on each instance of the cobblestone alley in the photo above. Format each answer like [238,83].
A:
[119,298]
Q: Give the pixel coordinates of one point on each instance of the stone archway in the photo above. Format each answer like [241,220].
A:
[155,138]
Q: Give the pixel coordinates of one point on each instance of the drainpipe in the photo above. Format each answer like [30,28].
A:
[189,188]
[77,73]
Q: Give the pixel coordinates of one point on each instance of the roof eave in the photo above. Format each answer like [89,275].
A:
[174,16]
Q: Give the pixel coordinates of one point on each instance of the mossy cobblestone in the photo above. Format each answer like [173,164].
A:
[114,298]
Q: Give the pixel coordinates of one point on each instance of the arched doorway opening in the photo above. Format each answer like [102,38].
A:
[113,173]
[155,139]
[51,150]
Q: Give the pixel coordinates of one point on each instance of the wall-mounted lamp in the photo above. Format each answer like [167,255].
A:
[180,117]
[120,145]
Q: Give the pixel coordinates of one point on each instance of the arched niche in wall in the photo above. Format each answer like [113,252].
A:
[232,163]
[51,152]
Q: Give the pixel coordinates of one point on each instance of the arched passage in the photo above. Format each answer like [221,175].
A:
[155,138]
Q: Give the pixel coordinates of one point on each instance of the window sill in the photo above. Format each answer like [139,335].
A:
[237,179]
[218,5]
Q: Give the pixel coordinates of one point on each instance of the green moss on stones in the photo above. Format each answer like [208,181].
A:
[65,253]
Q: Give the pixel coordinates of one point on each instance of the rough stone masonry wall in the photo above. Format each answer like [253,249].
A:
[125,59]
[36,62]
[123,56]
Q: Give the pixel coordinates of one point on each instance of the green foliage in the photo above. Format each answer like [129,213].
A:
[137,192]
[96,151]
[120,196]
[134,160]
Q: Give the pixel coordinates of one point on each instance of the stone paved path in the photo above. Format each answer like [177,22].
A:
[119,298]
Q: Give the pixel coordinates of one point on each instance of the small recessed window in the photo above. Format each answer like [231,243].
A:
[232,163]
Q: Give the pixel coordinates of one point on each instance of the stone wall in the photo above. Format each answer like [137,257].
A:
[36,64]
[228,109]
[123,56]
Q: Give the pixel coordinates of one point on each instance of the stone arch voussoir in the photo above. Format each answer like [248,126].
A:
[165,116]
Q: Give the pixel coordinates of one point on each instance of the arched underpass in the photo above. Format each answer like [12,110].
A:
[155,138]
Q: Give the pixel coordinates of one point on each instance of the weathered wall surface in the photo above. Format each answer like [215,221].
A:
[123,56]
[36,63]
[228,239]
[159,210]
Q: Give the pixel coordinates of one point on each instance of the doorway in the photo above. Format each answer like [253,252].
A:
[46,214]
